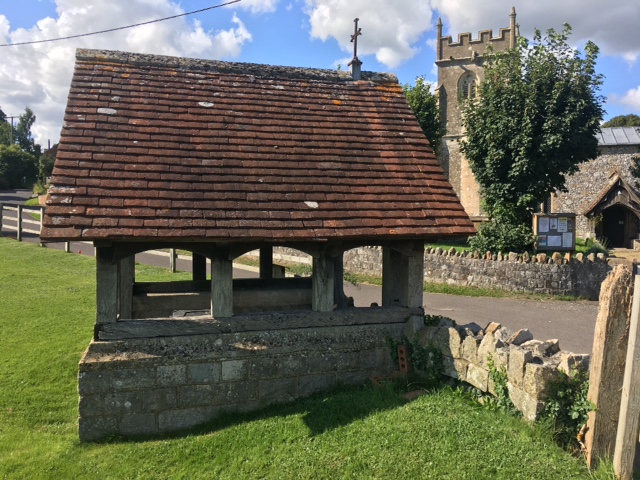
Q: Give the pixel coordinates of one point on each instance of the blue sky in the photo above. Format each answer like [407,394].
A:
[398,37]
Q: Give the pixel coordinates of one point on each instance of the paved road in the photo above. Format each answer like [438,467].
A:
[572,323]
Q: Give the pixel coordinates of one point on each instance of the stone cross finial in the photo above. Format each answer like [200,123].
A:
[355,63]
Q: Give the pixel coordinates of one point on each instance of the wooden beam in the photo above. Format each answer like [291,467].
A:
[628,428]
[198,267]
[221,286]
[107,286]
[607,363]
[339,298]
[127,279]
[322,283]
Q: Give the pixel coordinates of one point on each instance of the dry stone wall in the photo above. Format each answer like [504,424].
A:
[529,365]
[554,274]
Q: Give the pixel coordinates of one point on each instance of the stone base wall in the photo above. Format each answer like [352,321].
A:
[529,365]
[555,274]
[155,385]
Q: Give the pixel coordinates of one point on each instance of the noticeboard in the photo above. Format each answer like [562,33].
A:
[555,231]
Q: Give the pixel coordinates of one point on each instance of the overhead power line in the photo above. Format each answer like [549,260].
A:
[120,28]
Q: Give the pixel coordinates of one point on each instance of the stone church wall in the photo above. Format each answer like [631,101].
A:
[588,183]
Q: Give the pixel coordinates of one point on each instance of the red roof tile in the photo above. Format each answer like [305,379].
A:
[159,147]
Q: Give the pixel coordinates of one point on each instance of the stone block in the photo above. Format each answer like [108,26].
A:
[469,349]
[530,408]
[455,368]
[318,362]
[200,395]
[171,375]
[518,358]
[277,390]
[478,377]
[426,335]
[521,336]
[310,384]
[448,341]
[94,382]
[138,424]
[537,378]
[487,347]
[159,399]
[492,328]
[204,372]
[234,370]
[501,357]
[569,361]
[91,429]
[134,378]
[123,403]
[239,392]
[91,405]
[181,419]
[542,349]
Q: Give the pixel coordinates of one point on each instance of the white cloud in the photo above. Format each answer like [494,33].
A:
[389,29]
[38,75]
[257,6]
[631,99]
[613,27]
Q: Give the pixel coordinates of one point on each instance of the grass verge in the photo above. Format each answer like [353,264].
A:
[48,311]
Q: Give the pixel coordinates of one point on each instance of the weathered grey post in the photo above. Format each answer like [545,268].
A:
[266,262]
[607,364]
[19,220]
[221,285]
[1,216]
[339,298]
[322,283]
[628,429]
[107,286]
[403,274]
[199,267]
[173,257]
[127,279]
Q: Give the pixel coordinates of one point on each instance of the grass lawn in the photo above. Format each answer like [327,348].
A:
[46,319]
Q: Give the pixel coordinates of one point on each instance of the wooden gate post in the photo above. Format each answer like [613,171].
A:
[607,364]
[19,223]
[627,437]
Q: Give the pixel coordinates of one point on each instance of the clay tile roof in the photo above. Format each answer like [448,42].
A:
[157,148]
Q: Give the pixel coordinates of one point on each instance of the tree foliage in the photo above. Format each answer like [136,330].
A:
[19,153]
[631,120]
[533,122]
[424,104]
[17,168]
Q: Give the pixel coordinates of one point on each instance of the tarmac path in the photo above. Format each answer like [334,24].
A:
[571,322]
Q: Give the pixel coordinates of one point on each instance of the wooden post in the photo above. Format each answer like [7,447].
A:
[607,364]
[266,262]
[107,286]
[40,229]
[199,267]
[221,286]
[173,257]
[19,224]
[127,279]
[403,275]
[322,283]
[1,216]
[67,247]
[628,429]
[391,277]
[339,298]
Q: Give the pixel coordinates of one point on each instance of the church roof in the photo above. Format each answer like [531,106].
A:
[619,136]
[159,148]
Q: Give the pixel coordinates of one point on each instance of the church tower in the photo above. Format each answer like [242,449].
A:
[459,72]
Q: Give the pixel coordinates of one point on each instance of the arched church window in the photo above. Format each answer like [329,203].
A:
[467,86]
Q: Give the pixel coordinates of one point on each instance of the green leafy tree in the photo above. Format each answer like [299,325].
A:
[533,122]
[424,104]
[18,169]
[22,133]
[631,120]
